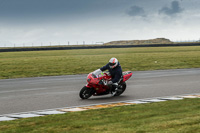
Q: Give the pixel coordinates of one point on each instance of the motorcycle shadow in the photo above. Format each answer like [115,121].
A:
[99,98]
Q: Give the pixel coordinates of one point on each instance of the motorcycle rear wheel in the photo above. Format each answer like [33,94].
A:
[86,92]
[122,88]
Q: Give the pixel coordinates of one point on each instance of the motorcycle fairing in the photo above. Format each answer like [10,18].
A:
[95,81]
[126,75]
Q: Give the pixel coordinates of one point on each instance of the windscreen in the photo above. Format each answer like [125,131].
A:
[96,74]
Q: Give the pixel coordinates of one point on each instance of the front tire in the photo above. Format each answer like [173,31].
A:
[86,92]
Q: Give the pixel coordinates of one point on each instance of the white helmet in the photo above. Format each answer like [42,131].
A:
[113,62]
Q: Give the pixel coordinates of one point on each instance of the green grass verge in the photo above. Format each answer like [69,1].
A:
[65,62]
[181,116]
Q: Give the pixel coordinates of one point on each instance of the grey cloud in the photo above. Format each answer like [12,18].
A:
[136,11]
[173,10]
[37,11]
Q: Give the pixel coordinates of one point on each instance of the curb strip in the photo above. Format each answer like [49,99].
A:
[9,117]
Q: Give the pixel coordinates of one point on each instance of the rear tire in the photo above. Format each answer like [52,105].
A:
[86,92]
[122,88]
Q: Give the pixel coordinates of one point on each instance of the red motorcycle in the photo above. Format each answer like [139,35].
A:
[98,85]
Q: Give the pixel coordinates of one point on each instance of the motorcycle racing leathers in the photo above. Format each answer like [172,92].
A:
[116,74]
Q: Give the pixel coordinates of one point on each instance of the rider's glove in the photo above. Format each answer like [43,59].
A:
[110,82]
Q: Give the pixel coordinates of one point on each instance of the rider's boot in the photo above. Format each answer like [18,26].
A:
[114,89]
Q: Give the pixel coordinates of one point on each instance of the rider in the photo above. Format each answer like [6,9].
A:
[115,71]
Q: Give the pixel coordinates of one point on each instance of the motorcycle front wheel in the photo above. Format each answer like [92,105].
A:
[86,92]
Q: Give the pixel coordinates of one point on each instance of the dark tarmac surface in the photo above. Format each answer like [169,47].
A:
[40,93]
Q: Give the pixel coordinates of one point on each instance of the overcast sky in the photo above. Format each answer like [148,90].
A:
[62,21]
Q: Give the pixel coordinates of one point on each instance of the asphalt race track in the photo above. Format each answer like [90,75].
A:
[31,94]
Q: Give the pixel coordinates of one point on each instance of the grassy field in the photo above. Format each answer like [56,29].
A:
[165,117]
[181,116]
[65,62]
